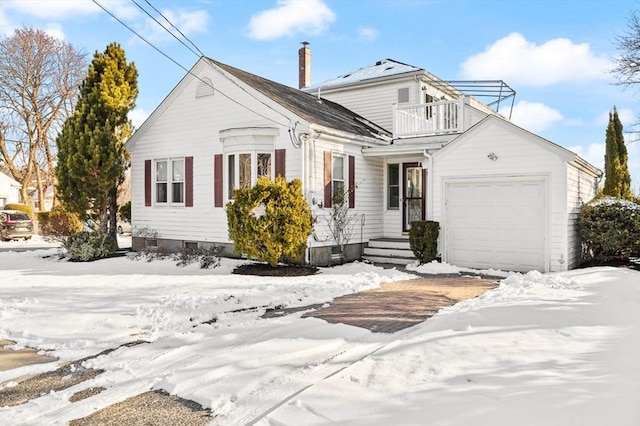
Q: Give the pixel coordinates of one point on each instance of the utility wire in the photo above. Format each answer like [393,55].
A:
[167,30]
[184,68]
[176,28]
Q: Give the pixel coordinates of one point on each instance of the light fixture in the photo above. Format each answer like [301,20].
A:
[492,156]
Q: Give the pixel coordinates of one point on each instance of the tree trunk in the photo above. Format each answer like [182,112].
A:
[113,214]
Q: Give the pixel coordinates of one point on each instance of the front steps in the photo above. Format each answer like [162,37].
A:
[389,250]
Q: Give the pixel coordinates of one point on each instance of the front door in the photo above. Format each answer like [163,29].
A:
[413,177]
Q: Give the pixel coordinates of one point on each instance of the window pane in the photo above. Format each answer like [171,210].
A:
[177,192]
[161,171]
[161,192]
[338,192]
[394,197]
[177,170]
[231,184]
[338,168]
[394,174]
[245,170]
[264,165]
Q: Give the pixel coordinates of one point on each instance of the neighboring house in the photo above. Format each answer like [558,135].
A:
[49,195]
[9,190]
[505,198]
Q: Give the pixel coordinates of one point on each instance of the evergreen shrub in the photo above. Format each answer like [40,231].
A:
[423,240]
[58,224]
[85,246]
[271,221]
[610,227]
[22,208]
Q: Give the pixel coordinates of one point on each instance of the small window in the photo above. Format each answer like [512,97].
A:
[245,170]
[393,187]
[403,95]
[337,179]
[161,182]
[264,165]
[177,181]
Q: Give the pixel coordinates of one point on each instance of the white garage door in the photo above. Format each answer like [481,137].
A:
[498,225]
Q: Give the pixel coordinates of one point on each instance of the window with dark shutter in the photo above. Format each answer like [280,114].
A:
[352,181]
[281,162]
[188,181]
[147,183]
[217,180]
[327,179]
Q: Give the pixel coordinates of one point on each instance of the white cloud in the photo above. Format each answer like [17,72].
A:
[534,116]
[138,116]
[291,17]
[6,28]
[55,31]
[593,153]
[367,34]
[188,23]
[518,61]
[69,9]
[627,117]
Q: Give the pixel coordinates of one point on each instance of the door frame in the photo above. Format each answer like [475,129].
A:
[405,166]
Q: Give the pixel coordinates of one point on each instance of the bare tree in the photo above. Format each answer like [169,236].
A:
[627,67]
[40,78]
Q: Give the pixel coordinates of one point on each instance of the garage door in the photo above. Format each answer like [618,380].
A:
[497,225]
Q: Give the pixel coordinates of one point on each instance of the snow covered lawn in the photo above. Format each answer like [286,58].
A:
[552,349]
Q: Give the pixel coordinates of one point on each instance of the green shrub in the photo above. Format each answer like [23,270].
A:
[59,225]
[85,246]
[610,227]
[423,240]
[125,211]
[271,221]
[21,207]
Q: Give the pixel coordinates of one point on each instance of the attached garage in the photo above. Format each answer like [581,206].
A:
[497,224]
[508,199]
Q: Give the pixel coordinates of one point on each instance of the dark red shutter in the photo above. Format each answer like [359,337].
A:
[352,181]
[147,183]
[217,180]
[327,179]
[188,182]
[281,162]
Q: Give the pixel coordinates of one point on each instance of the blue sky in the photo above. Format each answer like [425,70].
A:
[555,54]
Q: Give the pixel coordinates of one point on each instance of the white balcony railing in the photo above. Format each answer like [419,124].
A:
[428,119]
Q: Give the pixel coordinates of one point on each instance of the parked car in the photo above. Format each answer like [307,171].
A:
[124,227]
[15,224]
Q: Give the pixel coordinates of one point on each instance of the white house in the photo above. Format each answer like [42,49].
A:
[504,197]
[9,190]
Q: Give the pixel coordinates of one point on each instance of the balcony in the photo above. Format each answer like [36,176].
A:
[435,118]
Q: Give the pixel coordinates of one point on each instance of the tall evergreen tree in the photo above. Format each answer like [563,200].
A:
[92,158]
[617,182]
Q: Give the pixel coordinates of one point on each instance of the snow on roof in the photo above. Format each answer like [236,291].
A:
[383,68]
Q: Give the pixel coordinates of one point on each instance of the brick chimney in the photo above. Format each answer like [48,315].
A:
[304,66]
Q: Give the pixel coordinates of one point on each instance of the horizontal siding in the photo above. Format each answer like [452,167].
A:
[518,157]
[581,188]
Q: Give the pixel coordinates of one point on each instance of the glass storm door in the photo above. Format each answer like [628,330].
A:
[413,177]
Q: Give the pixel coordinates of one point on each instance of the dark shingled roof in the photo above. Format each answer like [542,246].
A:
[307,106]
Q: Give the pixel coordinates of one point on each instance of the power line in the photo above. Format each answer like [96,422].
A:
[187,70]
[176,28]
[167,30]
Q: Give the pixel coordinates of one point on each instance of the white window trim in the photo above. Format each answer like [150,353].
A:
[345,172]
[254,168]
[169,182]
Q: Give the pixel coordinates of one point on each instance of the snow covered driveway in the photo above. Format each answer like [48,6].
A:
[549,349]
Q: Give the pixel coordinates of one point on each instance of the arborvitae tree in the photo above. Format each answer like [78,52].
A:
[92,157]
[617,182]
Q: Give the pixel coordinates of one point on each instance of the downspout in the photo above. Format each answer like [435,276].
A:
[429,183]
[305,183]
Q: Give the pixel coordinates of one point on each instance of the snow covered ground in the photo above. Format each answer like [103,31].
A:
[541,349]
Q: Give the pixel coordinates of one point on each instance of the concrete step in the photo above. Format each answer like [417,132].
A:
[392,260]
[388,252]
[395,243]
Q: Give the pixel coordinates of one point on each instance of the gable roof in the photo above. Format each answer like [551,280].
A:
[563,153]
[384,68]
[317,111]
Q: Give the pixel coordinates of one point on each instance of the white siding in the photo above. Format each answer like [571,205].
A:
[369,181]
[374,102]
[186,125]
[518,156]
[581,188]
